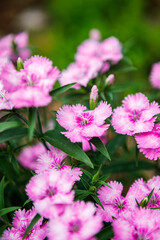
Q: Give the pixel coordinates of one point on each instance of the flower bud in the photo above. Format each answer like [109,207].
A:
[19,64]
[95,34]
[93,97]
[110,79]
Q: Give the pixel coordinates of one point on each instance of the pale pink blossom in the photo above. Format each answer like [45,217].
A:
[49,190]
[78,221]
[139,224]
[53,160]
[110,79]
[95,34]
[136,115]
[82,125]
[81,74]
[29,155]
[87,51]
[111,50]
[155,75]
[20,223]
[21,41]
[112,201]
[30,86]
[149,143]
[94,93]
[141,189]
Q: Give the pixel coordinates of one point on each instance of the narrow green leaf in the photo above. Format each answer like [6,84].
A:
[100,182]
[5,117]
[26,202]
[86,173]
[150,194]
[4,211]
[137,203]
[81,194]
[32,122]
[13,133]
[100,146]
[2,193]
[104,177]
[31,225]
[85,183]
[62,89]
[7,125]
[59,141]
[97,200]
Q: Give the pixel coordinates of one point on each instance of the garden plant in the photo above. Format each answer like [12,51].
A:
[66,135]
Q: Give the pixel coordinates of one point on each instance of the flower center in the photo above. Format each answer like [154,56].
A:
[135,116]
[84,119]
[51,191]
[74,226]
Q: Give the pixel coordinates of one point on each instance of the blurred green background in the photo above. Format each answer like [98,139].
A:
[57,27]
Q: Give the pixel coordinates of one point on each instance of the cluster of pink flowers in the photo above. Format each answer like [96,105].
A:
[138,116]
[30,86]
[91,58]
[82,125]
[20,223]
[51,191]
[129,220]
[20,41]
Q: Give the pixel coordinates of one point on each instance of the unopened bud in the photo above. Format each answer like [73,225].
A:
[144,202]
[110,79]
[93,97]
[19,64]
[95,34]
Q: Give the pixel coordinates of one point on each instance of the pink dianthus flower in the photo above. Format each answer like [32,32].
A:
[112,201]
[82,125]
[135,116]
[78,221]
[21,41]
[155,75]
[140,190]
[53,160]
[30,86]
[139,224]
[29,155]
[80,73]
[49,190]
[149,142]
[20,223]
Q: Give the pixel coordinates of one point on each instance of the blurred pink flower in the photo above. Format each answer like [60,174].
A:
[21,41]
[49,190]
[78,221]
[53,160]
[155,75]
[135,116]
[149,142]
[140,190]
[80,73]
[20,223]
[29,155]
[140,224]
[30,86]
[111,50]
[112,201]
[82,125]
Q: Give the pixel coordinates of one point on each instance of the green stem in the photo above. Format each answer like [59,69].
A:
[40,130]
